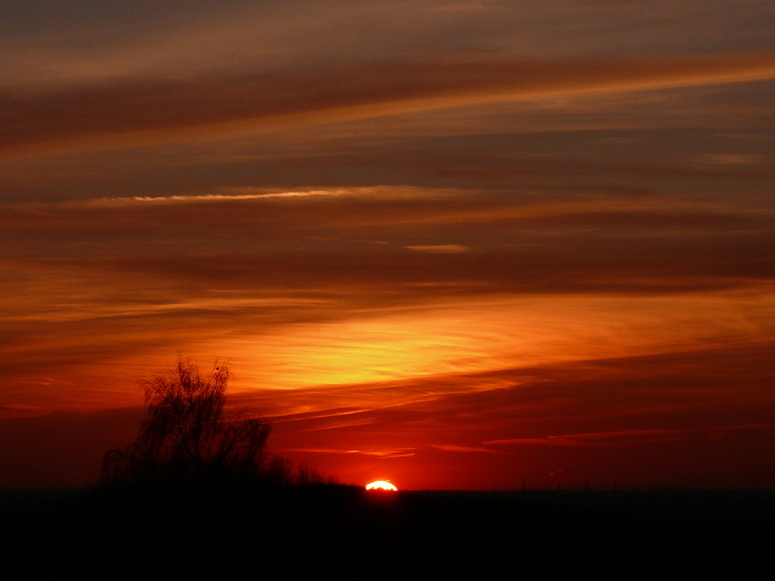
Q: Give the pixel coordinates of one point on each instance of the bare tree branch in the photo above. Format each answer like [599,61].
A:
[186,440]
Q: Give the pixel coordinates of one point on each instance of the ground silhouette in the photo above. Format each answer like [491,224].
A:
[301,531]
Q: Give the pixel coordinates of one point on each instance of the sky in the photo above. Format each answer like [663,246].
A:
[453,245]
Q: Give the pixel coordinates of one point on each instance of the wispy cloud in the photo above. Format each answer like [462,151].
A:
[412,226]
[629,437]
[465,449]
[205,198]
[207,108]
[440,248]
[377,453]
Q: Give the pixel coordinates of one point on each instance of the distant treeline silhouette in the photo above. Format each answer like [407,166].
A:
[188,441]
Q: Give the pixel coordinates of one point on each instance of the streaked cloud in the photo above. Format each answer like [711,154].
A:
[440,248]
[148,111]
[378,453]
[464,449]
[458,242]
[620,438]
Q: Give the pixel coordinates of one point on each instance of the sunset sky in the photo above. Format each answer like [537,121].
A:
[447,244]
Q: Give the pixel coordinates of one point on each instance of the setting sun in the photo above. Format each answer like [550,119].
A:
[381,485]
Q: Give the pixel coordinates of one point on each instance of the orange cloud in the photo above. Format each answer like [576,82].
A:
[144,111]
[629,437]
[439,248]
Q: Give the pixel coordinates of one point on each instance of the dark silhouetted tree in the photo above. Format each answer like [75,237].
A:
[187,440]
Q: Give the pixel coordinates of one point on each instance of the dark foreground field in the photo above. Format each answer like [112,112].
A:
[348,532]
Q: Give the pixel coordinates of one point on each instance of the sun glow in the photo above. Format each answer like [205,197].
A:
[485,334]
[381,485]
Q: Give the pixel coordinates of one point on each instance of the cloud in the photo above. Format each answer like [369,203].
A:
[629,437]
[439,248]
[464,449]
[412,226]
[236,196]
[263,272]
[130,113]
[326,246]
[377,453]
[20,410]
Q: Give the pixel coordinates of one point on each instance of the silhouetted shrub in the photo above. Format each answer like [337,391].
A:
[188,442]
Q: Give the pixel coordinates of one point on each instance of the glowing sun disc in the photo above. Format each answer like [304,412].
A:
[381,485]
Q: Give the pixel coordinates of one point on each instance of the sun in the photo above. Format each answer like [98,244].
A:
[381,485]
